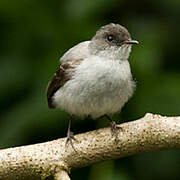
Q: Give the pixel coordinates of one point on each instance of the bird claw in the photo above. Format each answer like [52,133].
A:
[114,130]
[113,125]
[70,137]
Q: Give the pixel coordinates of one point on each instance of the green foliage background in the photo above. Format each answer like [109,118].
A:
[33,36]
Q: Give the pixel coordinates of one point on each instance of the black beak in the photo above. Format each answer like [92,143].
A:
[131,42]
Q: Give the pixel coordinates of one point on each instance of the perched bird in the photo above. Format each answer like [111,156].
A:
[94,77]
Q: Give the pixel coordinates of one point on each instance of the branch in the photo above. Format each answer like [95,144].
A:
[150,133]
[61,175]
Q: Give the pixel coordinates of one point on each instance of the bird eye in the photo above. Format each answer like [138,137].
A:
[110,38]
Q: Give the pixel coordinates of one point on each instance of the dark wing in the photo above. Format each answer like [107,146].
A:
[58,80]
[61,76]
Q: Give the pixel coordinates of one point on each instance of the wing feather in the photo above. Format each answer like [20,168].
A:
[61,76]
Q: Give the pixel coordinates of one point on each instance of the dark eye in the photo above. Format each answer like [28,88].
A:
[110,38]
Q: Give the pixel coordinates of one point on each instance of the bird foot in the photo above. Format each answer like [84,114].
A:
[70,137]
[69,140]
[114,130]
[113,126]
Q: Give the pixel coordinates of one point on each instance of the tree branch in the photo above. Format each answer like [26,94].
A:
[61,175]
[150,133]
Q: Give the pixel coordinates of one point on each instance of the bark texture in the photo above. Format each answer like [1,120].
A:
[52,159]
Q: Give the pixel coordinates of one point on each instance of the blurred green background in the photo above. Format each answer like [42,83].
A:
[33,36]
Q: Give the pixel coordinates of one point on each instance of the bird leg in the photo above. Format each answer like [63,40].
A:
[113,126]
[114,129]
[70,135]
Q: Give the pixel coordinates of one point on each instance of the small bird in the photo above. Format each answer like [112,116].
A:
[94,77]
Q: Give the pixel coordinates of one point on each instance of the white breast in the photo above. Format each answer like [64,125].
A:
[98,87]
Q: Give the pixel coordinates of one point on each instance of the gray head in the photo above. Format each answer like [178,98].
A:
[112,40]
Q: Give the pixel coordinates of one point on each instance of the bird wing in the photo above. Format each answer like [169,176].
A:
[61,76]
[80,51]
[69,61]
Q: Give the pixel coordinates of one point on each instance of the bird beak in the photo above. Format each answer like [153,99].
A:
[130,42]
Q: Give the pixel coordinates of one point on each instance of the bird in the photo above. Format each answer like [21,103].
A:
[94,77]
